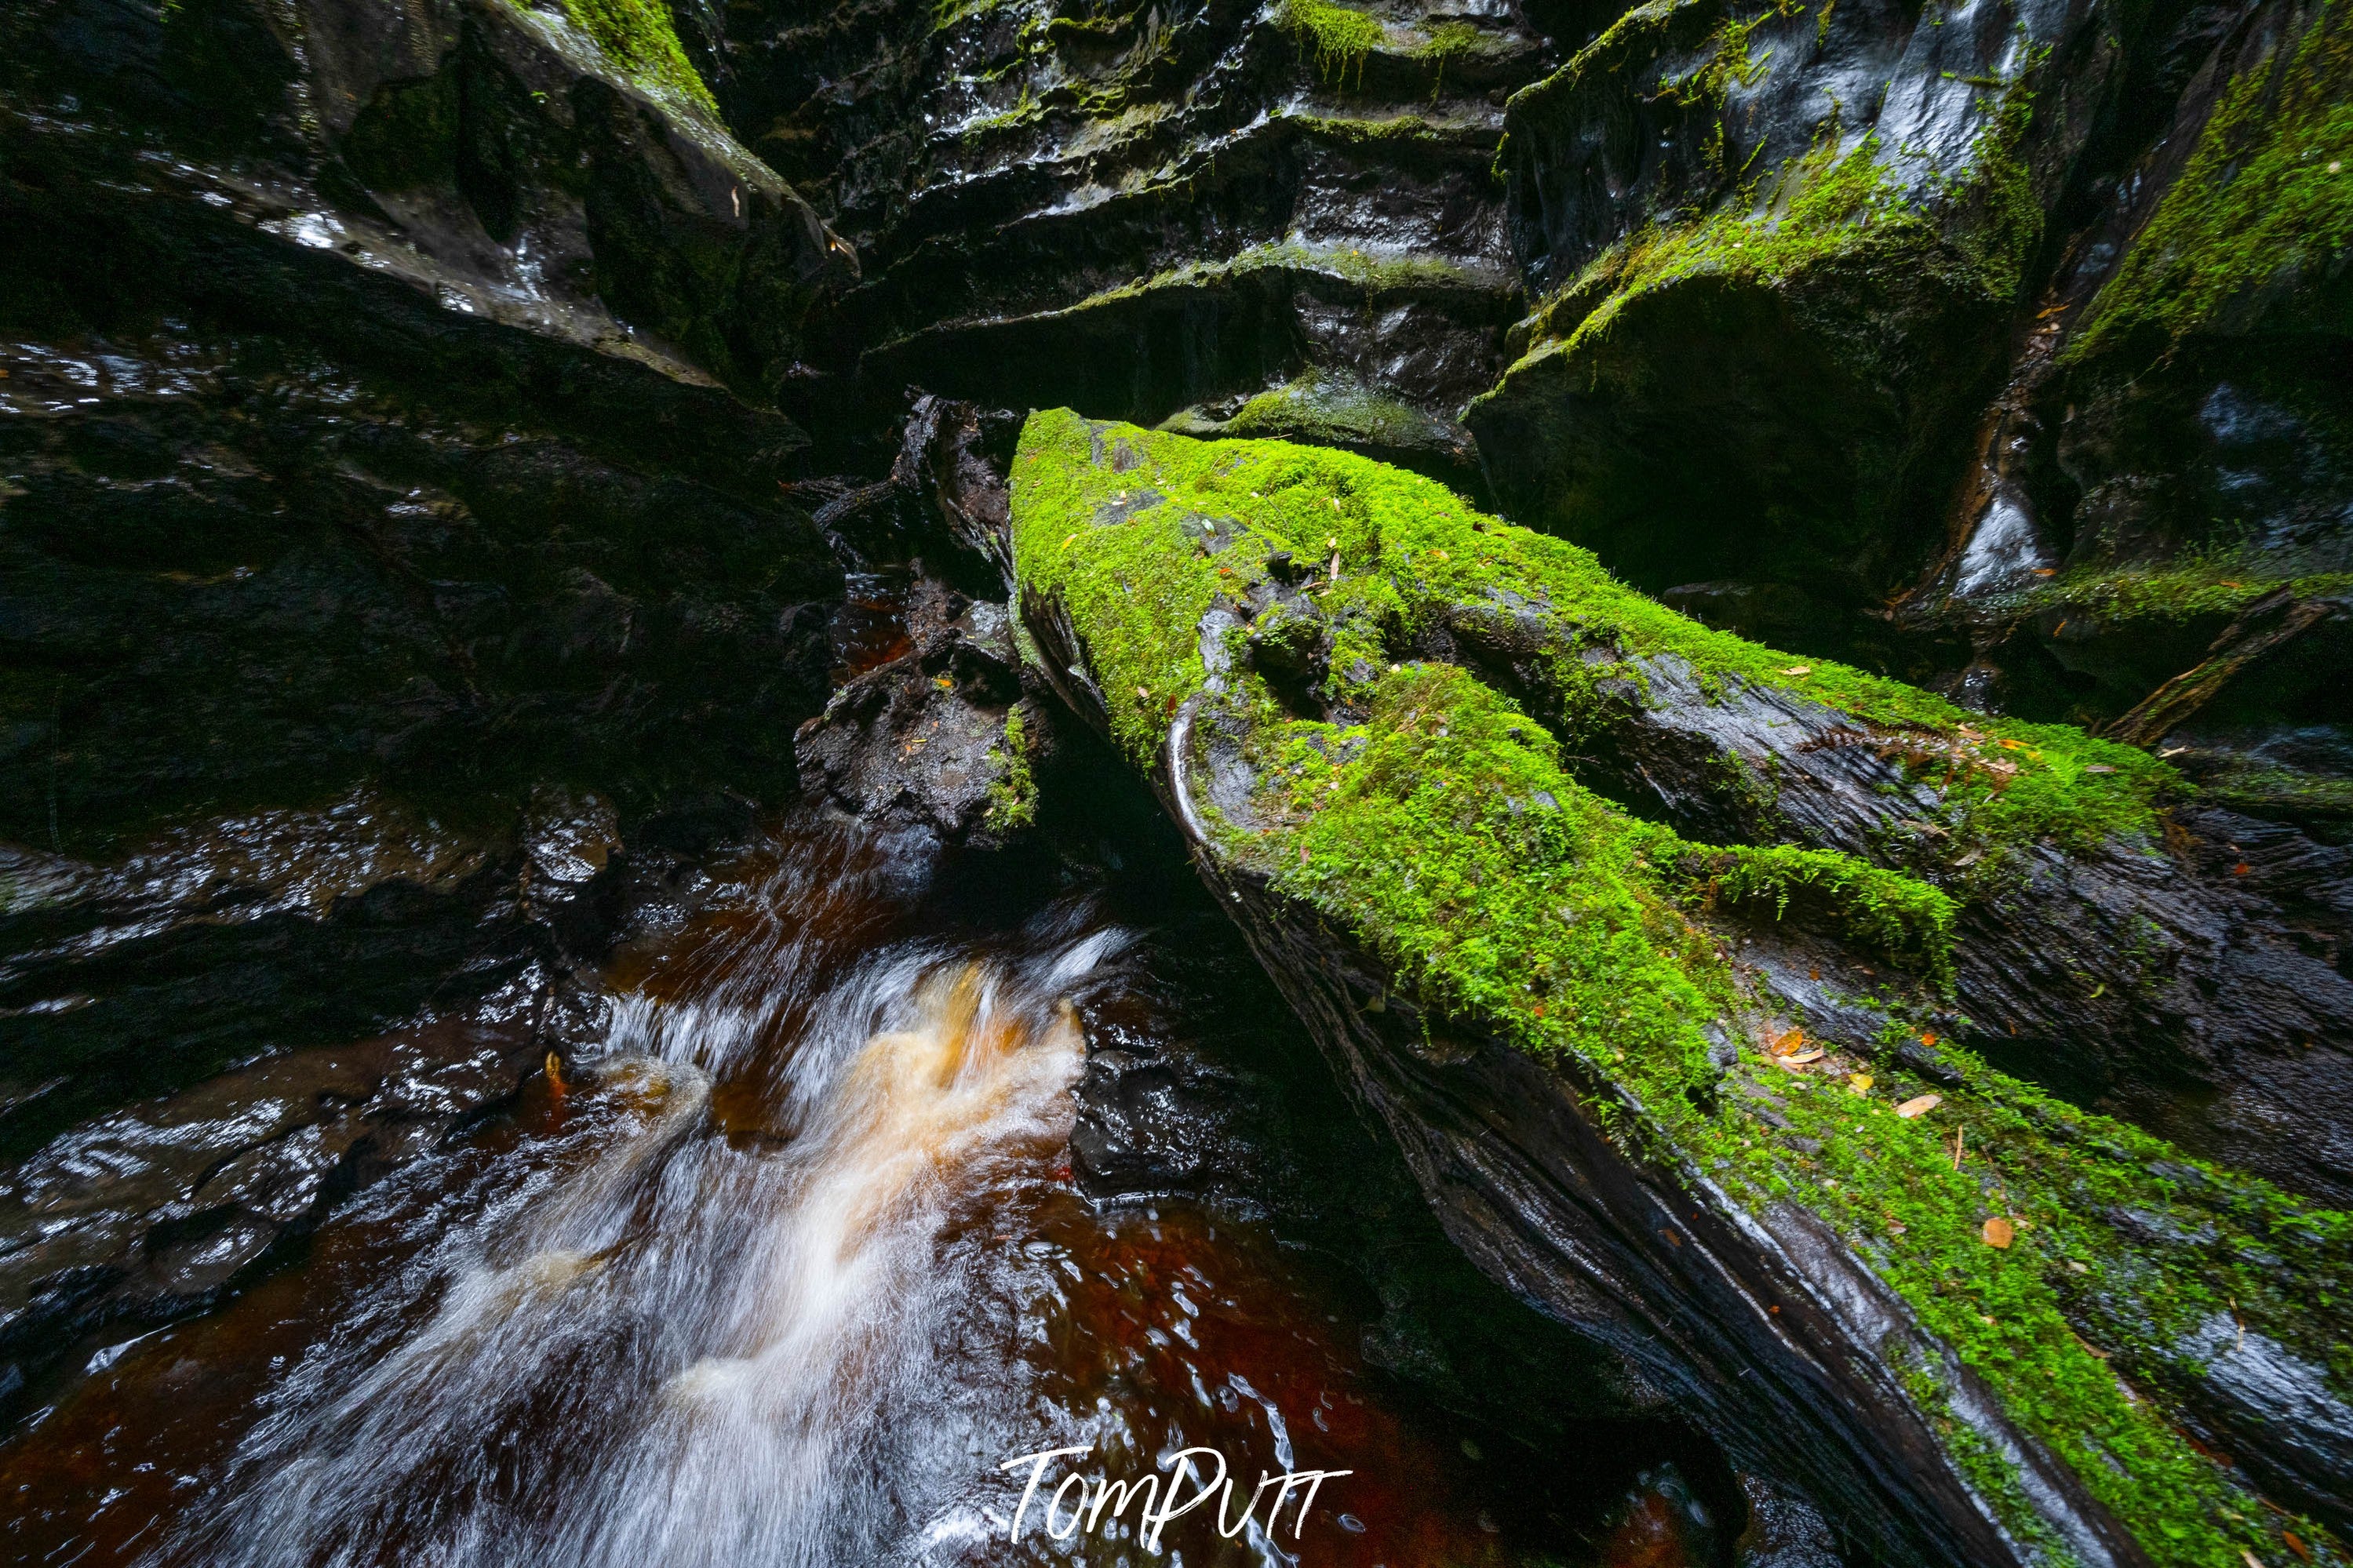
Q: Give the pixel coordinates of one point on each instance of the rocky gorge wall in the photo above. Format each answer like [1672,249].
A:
[441,441]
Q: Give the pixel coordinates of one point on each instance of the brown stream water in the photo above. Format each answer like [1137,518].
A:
[783,1274]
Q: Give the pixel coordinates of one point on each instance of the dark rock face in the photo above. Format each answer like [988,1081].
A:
[1773,254]
[930,739]
[1212,208]
[379,537]
[2152,532]
[252,940]
[946,736]
[500,159]
[442,606]
[1948,346]
[351,355]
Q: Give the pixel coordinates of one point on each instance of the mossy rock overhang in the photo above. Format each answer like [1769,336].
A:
[1737,428]
[557,169]
[1767,309]
[1569,1015]
[2119,945]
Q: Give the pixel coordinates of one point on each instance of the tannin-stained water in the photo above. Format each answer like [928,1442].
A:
[781,1273]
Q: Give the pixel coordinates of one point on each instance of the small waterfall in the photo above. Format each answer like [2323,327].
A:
[793,1261]
[667,1346]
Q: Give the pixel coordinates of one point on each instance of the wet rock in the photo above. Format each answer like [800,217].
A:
[1145,210]
[447,607]
[940,738]
[1783,1530]
[151,1214]
[504,160]
[458,962]
[233,939]
[1773,254]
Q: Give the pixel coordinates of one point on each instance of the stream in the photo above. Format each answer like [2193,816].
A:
[788,1267]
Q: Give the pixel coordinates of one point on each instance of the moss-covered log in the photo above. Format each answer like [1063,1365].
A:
[1682,1063]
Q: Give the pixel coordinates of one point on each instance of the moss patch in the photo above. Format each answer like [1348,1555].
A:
[2196,590]
[1340,39]
[1332,413]
[2267,196]
[1013,798]
[639,38]
[1444,831]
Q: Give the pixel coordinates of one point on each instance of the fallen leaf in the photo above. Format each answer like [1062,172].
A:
[2240,870]
[1066,543]
[1919,1105]
[1929,1038]
[1859,1082]
[1997,1232]
[2099,768]
[1143,694]
[2296,1546]
[1798,670]
[1789,1042]
[2046,570]
[1801,1058]
[2253,1561]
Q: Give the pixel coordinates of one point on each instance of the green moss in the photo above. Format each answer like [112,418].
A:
[1312,408]
[1013,798]
[1412,553]
[1837,204]
[2193,591]
[1397,129]
[2283,792]
[2267,196]
[639,38]
[1374,273]
[1340,39]
[1881,910]
[1445,834]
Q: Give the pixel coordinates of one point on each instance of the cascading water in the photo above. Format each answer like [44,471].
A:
[782,1272]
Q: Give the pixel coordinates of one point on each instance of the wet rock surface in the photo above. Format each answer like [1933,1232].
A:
[1846,331]
[506,161]
[437,601]
[1279,216]
[931,739]
[249,943]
